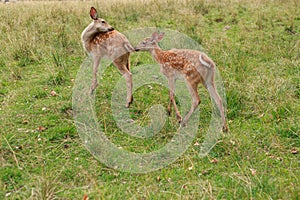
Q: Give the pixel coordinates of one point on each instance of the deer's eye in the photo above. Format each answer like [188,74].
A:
[103,22]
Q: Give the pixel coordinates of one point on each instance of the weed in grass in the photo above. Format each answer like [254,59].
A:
[61,73]
[44,187]
[24,55]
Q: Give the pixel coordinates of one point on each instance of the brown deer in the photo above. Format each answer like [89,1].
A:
[194,66]
[101,40]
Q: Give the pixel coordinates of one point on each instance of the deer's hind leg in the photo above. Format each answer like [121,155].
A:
[123,64]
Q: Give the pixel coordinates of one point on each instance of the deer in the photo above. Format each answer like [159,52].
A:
[101,40]
[194,66]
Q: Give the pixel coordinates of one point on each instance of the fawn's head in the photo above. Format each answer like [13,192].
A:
[150,43]
[99,24]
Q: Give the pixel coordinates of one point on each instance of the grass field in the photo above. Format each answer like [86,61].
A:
[256,47]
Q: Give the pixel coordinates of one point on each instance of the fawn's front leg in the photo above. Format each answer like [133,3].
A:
[171,82]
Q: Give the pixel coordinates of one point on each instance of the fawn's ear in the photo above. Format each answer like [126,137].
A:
[93,13]
[160,36]
[154,36]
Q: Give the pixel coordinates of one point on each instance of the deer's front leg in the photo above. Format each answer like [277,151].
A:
[96,61]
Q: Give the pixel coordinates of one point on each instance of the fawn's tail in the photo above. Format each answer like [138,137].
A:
[210,65]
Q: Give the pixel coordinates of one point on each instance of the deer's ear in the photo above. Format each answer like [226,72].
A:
[93,13]
[160,36]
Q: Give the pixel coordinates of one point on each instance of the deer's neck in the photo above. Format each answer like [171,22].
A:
[89,33]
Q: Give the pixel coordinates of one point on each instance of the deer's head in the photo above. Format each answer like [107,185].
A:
[99,24]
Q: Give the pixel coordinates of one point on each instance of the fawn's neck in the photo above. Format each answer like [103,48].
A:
[157,54]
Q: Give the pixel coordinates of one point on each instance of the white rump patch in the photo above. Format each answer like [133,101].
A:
[203,62]
[128,47]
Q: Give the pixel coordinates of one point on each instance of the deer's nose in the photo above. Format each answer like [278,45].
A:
[111,29]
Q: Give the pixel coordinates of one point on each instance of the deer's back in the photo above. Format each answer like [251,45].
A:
[112,44]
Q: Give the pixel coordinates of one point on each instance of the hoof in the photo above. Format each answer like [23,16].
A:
[225,129]
[182,124]
[169,112]
[179,118]
[129,102]
[93,88]
[91,92]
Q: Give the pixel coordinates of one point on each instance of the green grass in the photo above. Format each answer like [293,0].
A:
[42,156]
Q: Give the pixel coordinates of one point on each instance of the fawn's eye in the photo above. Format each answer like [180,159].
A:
[103,22]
